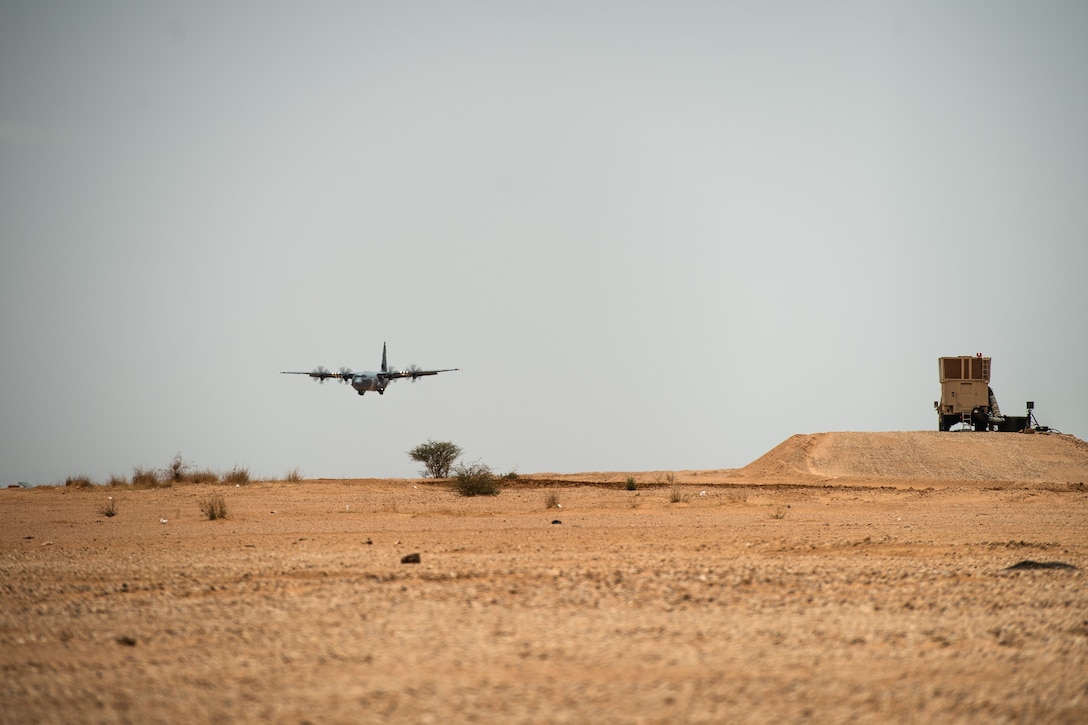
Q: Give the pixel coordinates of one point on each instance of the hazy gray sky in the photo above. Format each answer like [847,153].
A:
[657,235]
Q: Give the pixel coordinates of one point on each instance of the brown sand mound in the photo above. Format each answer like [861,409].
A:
[926,456]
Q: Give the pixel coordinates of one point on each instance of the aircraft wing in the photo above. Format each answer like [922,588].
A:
[413,373]
[320,374]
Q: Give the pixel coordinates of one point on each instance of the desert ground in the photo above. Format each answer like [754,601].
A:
[842,577]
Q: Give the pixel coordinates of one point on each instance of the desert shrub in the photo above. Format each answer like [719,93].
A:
[109,508]
[237,475]
[631,483]
[475,479]
[205,476]
[736,495]
[510,476]
[677,495]
[214,507]
[176,469]
[78,481]
[144,478]
[551,500]
[436,456]
[117,482]
[293,476]
[779,512]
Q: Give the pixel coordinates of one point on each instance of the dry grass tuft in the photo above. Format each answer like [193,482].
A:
[109,508]
[214,507]
[205,476]
[678,495]
[144,478]
[293,476]
[551,500]
[736,495]
[78,481]
[237,475]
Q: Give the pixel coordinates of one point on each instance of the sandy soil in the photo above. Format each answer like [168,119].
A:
[817,584]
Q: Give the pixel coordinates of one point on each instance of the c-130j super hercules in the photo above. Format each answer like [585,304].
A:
[968,399]
[376,380]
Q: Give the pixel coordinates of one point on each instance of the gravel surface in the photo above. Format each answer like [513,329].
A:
[706,598]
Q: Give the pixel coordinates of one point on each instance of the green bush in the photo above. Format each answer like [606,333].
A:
[475,479]
[436,457]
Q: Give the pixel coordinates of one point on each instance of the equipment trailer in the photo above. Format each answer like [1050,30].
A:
[967,398]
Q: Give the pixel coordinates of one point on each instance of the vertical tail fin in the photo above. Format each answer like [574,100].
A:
[385,365]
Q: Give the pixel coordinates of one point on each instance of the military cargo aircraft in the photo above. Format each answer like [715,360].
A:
[376,380]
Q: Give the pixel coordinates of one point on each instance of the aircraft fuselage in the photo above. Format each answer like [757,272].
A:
[364,382]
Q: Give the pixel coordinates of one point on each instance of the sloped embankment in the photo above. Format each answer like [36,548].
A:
[925,456]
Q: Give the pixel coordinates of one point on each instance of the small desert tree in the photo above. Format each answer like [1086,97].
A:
[436,457]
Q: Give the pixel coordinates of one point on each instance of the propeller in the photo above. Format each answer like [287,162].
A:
[413,371]
[321,374]
[393,373]
[345,375]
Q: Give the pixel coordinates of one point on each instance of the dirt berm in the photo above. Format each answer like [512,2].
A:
[925,456]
